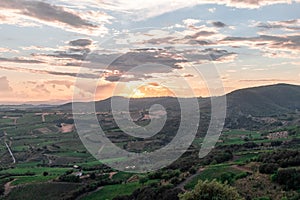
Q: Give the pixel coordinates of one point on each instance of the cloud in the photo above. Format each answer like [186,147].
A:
[152,90]
[149,8]
[271,45]
[65,83]
[63,56]
[45,11]
[37,48]
[78,51]
[34,71]
[288,25]
[188,75]
[201,35]
[30,13]
[124,78]
[4,85]
[208,55]
[219,24]
[72,54]
[189,21]
[81,42]
[153,61]
[255,3]
[93,21]
[104,90]
[41,88]
[5,50]
[135,65]
[132,59]
[20,60]
[212,10]
[266,80]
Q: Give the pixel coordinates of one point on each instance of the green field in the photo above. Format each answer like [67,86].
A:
[214,172]
[110,191]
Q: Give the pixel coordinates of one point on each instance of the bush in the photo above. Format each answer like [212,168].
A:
[69,178]
[286,158]
[143,180]
[289,178]
[45,173]
[268,168]
[227,177]
[206,190]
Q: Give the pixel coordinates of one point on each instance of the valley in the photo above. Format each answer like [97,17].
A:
[41,152]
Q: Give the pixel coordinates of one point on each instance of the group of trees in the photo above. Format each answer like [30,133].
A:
[294,131]
[280,163]
[268,168]
[288,178]
[283,158]
[216,157]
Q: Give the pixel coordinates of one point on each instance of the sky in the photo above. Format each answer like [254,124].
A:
[53,51]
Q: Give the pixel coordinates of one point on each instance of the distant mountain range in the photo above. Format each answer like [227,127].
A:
[257,101]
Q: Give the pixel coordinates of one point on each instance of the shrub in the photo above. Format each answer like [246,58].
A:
[289,178]
[45,173]
[268,168]
[206,190]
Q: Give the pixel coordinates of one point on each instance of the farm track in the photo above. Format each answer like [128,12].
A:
[244,169]
[10,152]
[181,185]
[8,187]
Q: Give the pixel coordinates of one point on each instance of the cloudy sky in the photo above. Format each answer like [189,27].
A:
[53,49]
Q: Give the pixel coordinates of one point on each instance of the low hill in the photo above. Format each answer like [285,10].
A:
[264,100]
[257,101]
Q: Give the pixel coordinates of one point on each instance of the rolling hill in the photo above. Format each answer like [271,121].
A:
[257,101]
[264,100]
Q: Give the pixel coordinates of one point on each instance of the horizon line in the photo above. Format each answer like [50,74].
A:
[62,102]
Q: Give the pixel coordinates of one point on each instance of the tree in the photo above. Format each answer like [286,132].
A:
[143,180]
[45,173]
[93,176]
[289,178]
[268,168]
[211,190]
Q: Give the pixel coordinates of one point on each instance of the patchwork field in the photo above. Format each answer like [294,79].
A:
[41,153]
